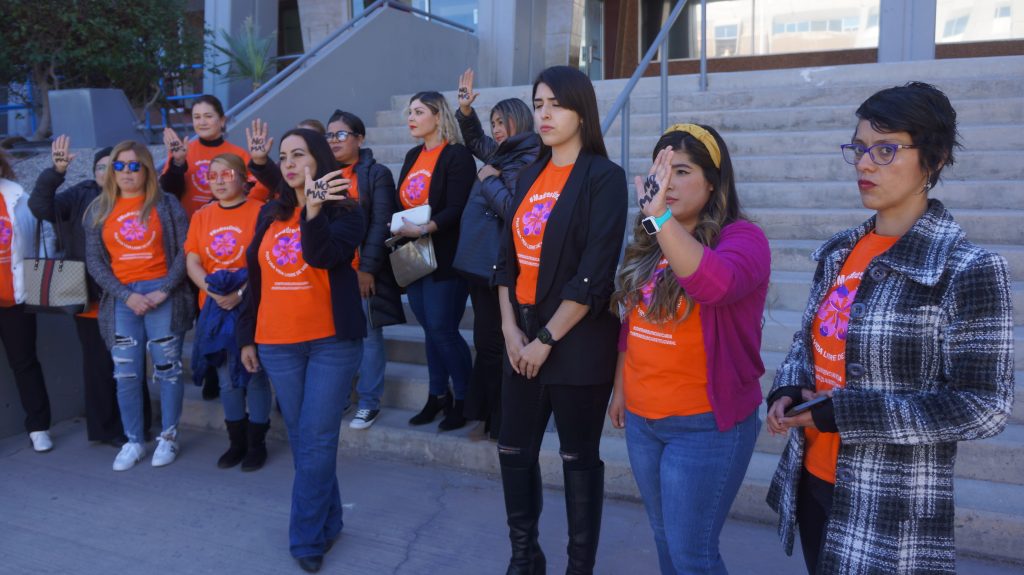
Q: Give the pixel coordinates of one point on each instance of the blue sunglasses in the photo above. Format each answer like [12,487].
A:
[132,166]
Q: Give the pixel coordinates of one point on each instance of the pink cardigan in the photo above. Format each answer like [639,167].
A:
[731,285]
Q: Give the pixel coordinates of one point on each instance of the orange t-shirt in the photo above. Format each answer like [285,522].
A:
[349,173]
[136,248]
[220,236]
[295,299]
[665,372]
[6,247]
[829,341]
[415,190]
[197,162]
[528,227]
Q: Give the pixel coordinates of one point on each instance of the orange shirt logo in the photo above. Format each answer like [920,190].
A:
[285,255]
[415,190]
[201,185]
[132,234]
[530,223]
[6,274]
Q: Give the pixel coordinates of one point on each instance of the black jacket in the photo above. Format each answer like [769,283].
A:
[376,188]
[329,242]
[450,183]
[582,243]
[509,158]
[66,210]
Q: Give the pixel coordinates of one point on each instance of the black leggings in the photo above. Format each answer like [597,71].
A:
[483,399]
[813,506]
[579,418]
[18,334]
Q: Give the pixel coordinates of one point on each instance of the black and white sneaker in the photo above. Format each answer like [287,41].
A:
[364,418]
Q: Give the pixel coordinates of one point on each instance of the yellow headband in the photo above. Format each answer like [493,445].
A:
[703,136]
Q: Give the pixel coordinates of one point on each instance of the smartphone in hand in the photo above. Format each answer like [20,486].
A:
[798,409]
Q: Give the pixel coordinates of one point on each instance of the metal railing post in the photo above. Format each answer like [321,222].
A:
[664,84]
[625,136]
[703,45]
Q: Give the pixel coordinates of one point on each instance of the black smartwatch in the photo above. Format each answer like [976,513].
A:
[544,336]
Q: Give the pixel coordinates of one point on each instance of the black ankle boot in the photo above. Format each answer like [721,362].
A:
[256,454]
[435,404]
[454,418]
[524,499]
[584,501]
[236,452]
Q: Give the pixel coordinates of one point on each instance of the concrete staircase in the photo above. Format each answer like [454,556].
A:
[783,129]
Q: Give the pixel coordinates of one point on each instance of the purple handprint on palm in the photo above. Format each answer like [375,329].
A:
[288,249]
[132,229]
[534,220]
[834,313]
[224,244]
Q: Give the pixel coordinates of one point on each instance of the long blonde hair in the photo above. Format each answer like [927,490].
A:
[644,253]
[104,203]
[447,125]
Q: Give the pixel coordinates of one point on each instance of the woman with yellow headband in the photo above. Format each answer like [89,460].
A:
[690,295]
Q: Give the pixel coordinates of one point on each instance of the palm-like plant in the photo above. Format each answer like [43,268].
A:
[248,53]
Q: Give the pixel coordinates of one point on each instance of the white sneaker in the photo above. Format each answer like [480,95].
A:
[130,454]
[41,441]
[166,450]
[364,418]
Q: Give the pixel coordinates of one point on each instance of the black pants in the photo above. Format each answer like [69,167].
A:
[483,399]
[813,506]
[18,334]
[102,415]
[579,418]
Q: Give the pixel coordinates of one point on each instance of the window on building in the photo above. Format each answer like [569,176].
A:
[465,12]
[955,26]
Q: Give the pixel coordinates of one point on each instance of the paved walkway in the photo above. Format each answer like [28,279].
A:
[66,512]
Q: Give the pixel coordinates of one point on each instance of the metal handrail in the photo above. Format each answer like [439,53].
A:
[621,104]
[280,76]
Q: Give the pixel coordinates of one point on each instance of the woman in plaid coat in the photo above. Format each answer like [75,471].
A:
[909,333]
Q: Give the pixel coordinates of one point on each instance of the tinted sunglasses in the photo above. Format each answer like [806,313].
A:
[132,166]
[221,176]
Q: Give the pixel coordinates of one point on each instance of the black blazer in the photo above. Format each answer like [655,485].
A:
[582,243]
[329,242]
[450,183]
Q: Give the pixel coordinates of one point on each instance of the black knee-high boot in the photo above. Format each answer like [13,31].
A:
[584,501]
[524,498]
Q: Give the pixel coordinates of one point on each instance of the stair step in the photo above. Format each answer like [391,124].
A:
[830,194]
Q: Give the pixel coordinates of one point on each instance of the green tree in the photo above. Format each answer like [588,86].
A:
[62,44]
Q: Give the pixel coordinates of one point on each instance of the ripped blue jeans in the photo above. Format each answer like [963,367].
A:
[134,335]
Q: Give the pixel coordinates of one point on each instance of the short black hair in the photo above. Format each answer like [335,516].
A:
[211,100]
[574,91]
[922,111]
[353,121]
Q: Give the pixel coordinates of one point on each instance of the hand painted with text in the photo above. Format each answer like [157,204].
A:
[61,153]
[175,147]
[650,191]
[466,94]
[260,143]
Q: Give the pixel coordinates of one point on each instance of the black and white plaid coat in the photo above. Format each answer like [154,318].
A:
[929,362]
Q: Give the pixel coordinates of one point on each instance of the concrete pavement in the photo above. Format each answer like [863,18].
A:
[66,512]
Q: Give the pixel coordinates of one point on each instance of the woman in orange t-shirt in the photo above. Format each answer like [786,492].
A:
[908,337]
[186,169]
[692,289]
[301,321]
[439,173]
[215,256]
[134,238]
[555,272]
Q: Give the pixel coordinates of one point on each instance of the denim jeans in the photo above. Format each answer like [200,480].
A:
[234,399]
[371,371]
[688,473]
[439,306]
[134,335]
[311,379]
